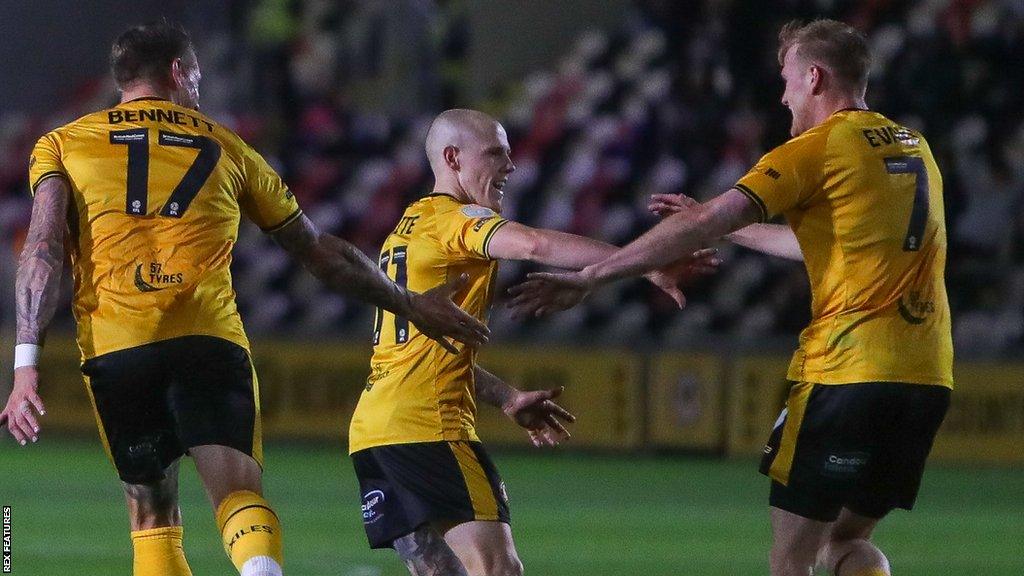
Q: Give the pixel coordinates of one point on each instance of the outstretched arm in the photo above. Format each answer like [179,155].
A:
[680,233]
[342,266]
[516,241]
[37,293]
[536,411]
[772,239]
[345,269]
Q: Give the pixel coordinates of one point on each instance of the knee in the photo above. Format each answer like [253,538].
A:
[511,567]
[506,564]
[831,553]
[851,553]
[790,559]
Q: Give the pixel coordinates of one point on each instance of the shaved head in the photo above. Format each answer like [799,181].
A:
[457,127]
[470,156]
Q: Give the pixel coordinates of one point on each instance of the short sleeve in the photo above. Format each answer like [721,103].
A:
[266,199]
[469,230]
[787,176]
[45,161]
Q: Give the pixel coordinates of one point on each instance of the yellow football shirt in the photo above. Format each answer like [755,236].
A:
[157,192]
[417,391]
[864,197]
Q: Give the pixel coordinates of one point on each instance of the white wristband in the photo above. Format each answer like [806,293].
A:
[26,355]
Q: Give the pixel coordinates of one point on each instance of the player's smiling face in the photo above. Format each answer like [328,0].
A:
[796,72]
[486,163]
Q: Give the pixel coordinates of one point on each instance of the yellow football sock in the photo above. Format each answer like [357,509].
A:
[158,552]
[249,528]
[871,572]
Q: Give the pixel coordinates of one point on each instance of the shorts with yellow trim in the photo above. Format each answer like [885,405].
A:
[405,486]
[857,446]
[154,402]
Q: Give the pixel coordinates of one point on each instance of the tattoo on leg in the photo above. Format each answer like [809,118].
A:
[425,553]
[154,505]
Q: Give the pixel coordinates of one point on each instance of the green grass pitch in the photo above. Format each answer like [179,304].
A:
[572,515]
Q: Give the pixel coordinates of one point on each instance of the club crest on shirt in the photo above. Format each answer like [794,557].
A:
[477,211]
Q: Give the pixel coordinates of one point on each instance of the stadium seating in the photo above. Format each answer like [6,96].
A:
[665,104]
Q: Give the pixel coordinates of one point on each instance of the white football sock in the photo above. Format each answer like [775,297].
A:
[261,566]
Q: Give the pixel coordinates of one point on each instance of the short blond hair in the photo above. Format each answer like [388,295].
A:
[839,47]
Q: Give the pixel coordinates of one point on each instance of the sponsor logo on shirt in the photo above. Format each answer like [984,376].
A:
[377,371]
[913,309]
[149,282]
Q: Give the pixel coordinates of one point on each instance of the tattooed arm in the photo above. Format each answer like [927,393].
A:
[493,390]
[37,291]
[535,410]
[37,284]
[343,268]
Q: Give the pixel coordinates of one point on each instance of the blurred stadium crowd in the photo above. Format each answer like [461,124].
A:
[682,97]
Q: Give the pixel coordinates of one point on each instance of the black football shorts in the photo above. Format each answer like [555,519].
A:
[404,486]
[154,402]
[859,446]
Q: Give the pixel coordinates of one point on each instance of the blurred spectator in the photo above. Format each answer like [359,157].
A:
[684,97]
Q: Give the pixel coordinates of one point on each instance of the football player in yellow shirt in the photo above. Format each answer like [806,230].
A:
[147,196]
[429,489]
[872,377]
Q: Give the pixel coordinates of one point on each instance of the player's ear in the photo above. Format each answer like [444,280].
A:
[816,78]
[451,157]
[178,76]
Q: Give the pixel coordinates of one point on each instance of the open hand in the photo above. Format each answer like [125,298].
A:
[683,272]
[546,292]
[541,417]
[667,204]
[437,317]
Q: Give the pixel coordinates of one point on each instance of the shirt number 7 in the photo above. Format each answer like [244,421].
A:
[919,214]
